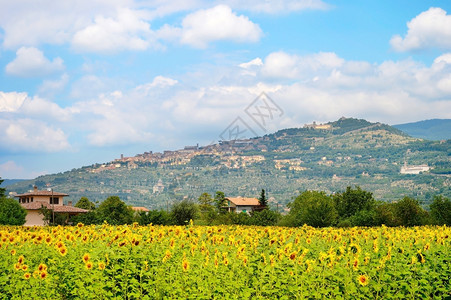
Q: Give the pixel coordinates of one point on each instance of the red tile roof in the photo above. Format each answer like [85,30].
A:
[242,201]
[139,208]
[56,208]
[41,193]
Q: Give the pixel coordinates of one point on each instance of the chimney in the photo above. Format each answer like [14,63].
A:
[35,188]
[69,203]
[122,156]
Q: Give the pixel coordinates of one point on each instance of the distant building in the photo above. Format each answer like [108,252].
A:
[159,187]
[414,169]
[192,147]
[34,200]
[242,204]
[318,126]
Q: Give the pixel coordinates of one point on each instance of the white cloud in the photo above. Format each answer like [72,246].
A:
[158,82]
[128,31]
[33,23]
[49,87]
[27,135]
[277,6]
[10,102]
[44,109]
[31,62]
[219,23]
[445,58]
[430,29]
[255,62]
[36,107]
[283,65]
[12,170]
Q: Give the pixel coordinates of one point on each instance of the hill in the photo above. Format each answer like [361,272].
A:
[435,129]
[325,157]
[7,182]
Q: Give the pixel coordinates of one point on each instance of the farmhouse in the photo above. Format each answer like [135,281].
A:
[34,200]
[242,204]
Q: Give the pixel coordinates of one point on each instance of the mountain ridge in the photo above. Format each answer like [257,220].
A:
[433,129]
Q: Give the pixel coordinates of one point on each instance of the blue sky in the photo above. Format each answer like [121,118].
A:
[82,82]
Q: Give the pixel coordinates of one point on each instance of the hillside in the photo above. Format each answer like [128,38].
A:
[435,129]
[325,157]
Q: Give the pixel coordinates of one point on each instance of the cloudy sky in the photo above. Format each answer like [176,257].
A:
[85,81]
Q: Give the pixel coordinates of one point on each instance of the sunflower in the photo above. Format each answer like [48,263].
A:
[355,264]
[13,252]
[42,267]
[185,265]
[43,275]
[363,280]
[63,251]
[86,257]
[420,257]
[354,248]
[17,266]
[21,259]
[225,261]
[24,267]
[27,276]
[88,265]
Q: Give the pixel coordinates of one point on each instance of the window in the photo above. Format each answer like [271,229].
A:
[31,199]
[54,200]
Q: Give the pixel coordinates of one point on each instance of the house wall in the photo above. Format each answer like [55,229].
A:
[246,209]
[42,199]
[46,199]
[33,218]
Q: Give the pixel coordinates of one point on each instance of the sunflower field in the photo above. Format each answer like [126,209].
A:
[224,262]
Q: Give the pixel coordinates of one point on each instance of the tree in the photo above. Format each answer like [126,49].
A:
[11,212]
[313,208]
[2,190]
[184,211]
[409,212]
[220,201]
[265,217]
[205,202]
[351,201]
[240,219]
[85,204]
[114,211]
[52,218]
[88,218]
[385,214]
[263,201]
[441,210]
[155,217]
[207,210]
